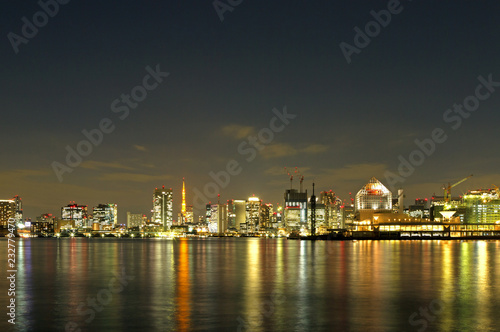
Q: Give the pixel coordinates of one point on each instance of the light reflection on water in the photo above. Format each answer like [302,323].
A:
[256,284]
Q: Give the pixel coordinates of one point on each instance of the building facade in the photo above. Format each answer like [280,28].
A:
[295,209]
[163,207]
[78,213]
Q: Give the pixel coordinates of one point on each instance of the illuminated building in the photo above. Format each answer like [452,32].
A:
[334,216]
[19,209]
[134,220]
[189,214]
[420,209]
[64,225]
[44,224]
[374,196]
[7,211]
[162,207]
[231,214]
[218,218]
[265,214]
[482,206]
[75,212]
[438,204]
[106,215]
[321,220]
[295,209]
[278,217]
[252,213]
[208,212]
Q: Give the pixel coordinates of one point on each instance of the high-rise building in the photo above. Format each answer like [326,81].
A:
[265,216]
[208,212]
[189,214]
[134,220]
[218,218]
[78,213]
[7,211]
[106,214]
[19,209]
[482,206]
[163,207]
[236,213]
[295,209]
[252,208]
[44,224]
[333,209]
[321,220]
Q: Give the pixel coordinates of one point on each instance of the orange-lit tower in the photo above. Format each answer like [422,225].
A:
[183,206]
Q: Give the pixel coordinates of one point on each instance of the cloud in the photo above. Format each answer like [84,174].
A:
[93,164]
[315,148]
[357,172]
[278,150]
[280,171]
[139,147]
[238,131]
[132,177]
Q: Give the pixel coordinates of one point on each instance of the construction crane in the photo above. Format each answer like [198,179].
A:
[447,189]
[291,178]
[301,177]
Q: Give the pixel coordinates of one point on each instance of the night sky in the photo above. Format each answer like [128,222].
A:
[353,120]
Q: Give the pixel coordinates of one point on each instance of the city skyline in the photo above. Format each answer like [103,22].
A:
[177,204]
[354,120]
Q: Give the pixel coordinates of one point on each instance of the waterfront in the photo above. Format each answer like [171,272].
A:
[226,284]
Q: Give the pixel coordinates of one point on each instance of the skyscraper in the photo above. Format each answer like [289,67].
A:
[19,209]
[218,218]
[163,207]
[7,211]
[134,220]
[106,214]
[295,209]
[78,213]
[252,213]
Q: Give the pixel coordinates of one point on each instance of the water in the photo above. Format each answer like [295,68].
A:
[253,284]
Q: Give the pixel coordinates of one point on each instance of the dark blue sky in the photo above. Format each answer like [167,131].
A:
[353,120]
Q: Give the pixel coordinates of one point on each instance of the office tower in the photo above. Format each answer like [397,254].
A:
[265,216]
[231,214]
[134,219]
[78,213]
[162,207]
[208,212]
[482,206]
[189,214]
[295,209]
[7,211]
[106,215]
[333,209]
[321,220]
[420,209]
[44,224]
[218,218]
[19,209]
[252,208]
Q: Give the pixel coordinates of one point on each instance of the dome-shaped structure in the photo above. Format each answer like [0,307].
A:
[374,196]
